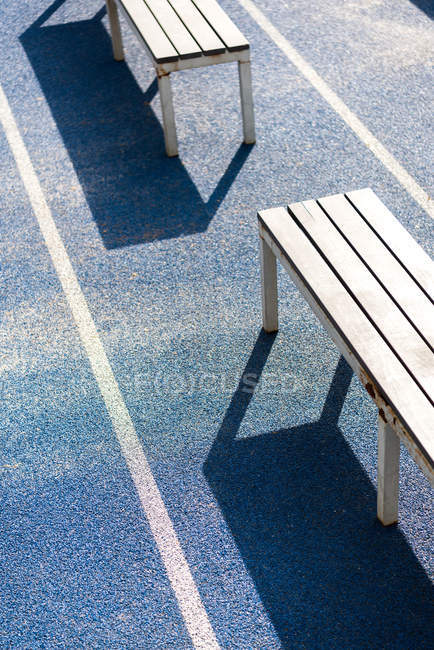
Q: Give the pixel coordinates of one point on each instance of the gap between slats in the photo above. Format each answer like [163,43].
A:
[372,271]
[129,8]
[206,7]
[348,289]
[190,11]
[390,249]
[183,53]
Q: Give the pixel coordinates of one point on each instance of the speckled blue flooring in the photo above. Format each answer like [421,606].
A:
[271,492]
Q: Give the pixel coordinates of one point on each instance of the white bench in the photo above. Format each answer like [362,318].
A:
[183,34]
[371,286]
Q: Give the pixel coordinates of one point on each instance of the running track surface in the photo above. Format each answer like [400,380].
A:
[168,504]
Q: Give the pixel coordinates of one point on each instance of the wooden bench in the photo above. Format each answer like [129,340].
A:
[183,34]
[371,286]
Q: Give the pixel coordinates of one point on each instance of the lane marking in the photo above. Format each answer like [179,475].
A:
[379,150]
[187,595]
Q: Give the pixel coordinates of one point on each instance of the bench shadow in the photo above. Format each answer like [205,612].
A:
[302,512]
[114,139]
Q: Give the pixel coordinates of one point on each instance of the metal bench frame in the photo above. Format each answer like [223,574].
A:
[163,71]
[391,429]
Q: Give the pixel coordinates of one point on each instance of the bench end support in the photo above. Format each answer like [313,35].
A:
[388,474]
[168,112]
[247,102]
[269,288]
[115,30]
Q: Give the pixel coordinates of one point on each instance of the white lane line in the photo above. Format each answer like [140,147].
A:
[182,582]
[379,150]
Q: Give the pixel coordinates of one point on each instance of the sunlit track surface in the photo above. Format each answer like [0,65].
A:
[263,449]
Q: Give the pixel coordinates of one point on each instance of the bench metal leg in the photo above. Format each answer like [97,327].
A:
[247,102]
[115,30]
[168,115]
[388,474]
[269,288]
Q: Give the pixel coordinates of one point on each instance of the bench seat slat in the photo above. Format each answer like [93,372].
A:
[396,237]
[198,27]
[363,340]
[394,277]
[392,324]
[223,25]
[153,36]
[174,29]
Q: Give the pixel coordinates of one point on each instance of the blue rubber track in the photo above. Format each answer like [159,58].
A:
[263,447]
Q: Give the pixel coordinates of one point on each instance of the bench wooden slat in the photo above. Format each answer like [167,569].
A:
[153,36]
[396,237]
[174,29]
[383,264]
[372,352]
[196,24]
[222,24]
[395,328]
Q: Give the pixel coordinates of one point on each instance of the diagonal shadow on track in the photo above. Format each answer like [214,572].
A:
[302,512]
[114,139]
